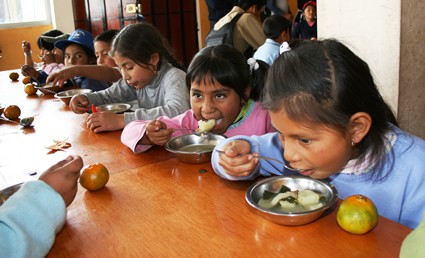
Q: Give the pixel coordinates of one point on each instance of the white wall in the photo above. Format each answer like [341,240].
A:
[62,15]
[371,29]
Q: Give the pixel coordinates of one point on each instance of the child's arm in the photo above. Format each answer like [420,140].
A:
[97,72]
[26,48]
[30,219]
[234,166]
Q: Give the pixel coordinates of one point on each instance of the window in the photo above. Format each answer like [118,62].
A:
[24,13]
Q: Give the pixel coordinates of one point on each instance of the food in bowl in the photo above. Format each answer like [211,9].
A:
[65,96]
[48,88]
[194,148]
[316,197]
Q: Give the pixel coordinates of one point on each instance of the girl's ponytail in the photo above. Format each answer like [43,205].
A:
[258,71]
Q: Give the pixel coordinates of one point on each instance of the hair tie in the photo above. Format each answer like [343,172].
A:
[253,64]
[284,47]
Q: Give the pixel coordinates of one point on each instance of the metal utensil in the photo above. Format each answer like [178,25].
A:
[25,122]
[266,158]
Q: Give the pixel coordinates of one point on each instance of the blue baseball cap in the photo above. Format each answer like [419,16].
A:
[80,37]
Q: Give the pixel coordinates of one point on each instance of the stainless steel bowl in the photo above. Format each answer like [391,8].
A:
[48,88]
[66,96]
[114,107]
[9,191]
[273,184]
[194,148]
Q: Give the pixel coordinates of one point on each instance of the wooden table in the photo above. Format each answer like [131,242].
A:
[156,206]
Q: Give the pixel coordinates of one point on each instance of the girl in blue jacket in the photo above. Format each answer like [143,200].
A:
[332,123]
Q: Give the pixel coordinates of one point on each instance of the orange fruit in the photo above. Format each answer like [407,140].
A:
[14,76]
[357,214]
[94,176]
[12,112]
[30,89]
[26,80]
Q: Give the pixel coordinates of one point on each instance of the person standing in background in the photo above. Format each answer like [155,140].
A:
[248,33]
[280,7]
[307,27]
[217,9]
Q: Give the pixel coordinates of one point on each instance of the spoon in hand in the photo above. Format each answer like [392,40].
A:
[266,158]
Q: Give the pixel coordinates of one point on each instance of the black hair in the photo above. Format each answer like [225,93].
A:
[324,82]
[107,36]
[41,43]
[229,67]
[246,4]
[274,25]
[139,41]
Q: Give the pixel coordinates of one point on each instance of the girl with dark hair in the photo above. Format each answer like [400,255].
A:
[151,76]
[102,46]
[221,83]
[333,124]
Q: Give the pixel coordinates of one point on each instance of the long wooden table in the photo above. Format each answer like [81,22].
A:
[157,206]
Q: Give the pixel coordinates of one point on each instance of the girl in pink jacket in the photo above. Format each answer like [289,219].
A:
[224,88]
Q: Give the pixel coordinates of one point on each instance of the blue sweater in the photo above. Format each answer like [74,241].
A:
[30,219]
[400,197]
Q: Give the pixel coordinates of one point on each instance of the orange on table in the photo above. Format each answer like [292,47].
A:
[12,112]
[30,89]
[14,76]
[94,176]
[26,80]
[357,214]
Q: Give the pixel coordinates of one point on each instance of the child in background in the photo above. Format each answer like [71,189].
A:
[277,30]
[307,27]
[333,123]
[150,75]
[78,50]
[30,218]
[220,82]
[102,46]
[52,58]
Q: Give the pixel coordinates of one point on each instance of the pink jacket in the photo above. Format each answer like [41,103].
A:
[256,122]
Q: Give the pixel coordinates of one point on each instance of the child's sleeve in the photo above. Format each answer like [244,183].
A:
[266,145]
[30,219]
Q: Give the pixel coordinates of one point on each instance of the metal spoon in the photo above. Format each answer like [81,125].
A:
[266,158]
[25,122]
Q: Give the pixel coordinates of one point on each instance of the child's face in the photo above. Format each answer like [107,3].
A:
[310,13]
[101,50]
[75,55]
[215,101]
[58,55]
[320,150]
[136,76]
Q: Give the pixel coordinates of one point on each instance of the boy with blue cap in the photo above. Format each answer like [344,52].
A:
[79,50]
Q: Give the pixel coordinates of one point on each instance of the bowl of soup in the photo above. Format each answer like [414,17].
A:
[291,200]
[195,147]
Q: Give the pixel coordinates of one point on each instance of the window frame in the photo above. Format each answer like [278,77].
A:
[47,21]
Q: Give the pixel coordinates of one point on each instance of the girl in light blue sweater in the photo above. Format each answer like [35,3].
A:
[333,124]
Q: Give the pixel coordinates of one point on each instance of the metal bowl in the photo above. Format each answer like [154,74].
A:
[65,96]
[194,148]
[48,88]
[273,184]
[114,107]
[9,191]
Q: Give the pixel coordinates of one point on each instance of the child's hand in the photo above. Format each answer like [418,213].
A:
[26,47]
[28,70]
[237,159]
[60,77]
[63,177]
[105,121]
[79,104]
[157,133]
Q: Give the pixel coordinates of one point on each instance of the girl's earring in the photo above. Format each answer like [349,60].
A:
[352,144]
